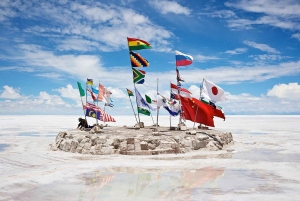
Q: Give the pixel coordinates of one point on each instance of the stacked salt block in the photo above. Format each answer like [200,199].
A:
[118,140]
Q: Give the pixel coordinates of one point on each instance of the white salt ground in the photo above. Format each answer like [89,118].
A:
[263,164]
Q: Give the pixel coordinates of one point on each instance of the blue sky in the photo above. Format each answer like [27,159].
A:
[250,48]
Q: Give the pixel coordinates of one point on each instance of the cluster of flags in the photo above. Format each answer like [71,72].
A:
[181,101]
[98,95]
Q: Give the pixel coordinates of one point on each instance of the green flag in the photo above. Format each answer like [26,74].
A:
[81,91]
[148,99]
[143,111]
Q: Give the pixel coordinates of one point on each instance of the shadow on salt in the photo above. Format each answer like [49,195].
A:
[148,184]
[3,146]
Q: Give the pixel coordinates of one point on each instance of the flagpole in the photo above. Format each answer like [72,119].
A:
[178,89]
[133,110]
[200,101]
[134,87]
[156,106]
[170,98]
[85,98]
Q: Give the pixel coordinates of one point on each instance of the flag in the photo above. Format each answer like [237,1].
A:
[141,102]
[130,93]
[137,60]
[92,113]
[101,92]
[138,76]
[196,111]
[89,81]
[107,98]
[212,92]
[149,100]
[183,92]
[81,91]
[94,90]
[172,107]
[179,79]
[137,44]
[218,112]
[183,59]
[103,115]
[92,94]
[143,111]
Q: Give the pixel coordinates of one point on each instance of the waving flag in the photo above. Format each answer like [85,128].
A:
[141,102]
[212,92]
[101,92]
[90,112]
[130,93]
[92,94]
[137,60]
[172,107]
[103,115]
[183,92]
[143,111]
[183,59]
[137,44]
[89,81]
[138,76]
[196,111]
[218,112]
[81,91]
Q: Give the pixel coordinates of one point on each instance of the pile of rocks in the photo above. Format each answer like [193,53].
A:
[143,141]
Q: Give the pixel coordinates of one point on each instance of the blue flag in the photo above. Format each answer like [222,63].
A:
[92,113]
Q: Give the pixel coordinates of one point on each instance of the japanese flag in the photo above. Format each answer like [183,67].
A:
[212,91]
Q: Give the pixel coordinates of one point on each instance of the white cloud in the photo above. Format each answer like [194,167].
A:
[289,91]
[236,51]
[281,14]
[281,8]
[245,103]
[94,26]
[10,93]
[165,7]
[221,14]
[203,58]
[297,36]
[69,92]
[262,47]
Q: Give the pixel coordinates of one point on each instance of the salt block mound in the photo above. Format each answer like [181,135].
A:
[140,141]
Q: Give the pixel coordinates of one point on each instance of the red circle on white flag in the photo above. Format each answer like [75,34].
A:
[214,90]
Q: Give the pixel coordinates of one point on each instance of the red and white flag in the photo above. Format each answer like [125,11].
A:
[212,91]
[183,92]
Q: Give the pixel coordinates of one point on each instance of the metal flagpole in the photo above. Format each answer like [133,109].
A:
[134,86]
[133,110]
[157,107]
[85,97]
[201,86]
[170,98]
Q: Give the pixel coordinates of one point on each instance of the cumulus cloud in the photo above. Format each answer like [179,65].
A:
[289,91]
[165,7]
[10,93]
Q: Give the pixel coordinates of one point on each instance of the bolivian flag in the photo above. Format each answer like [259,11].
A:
[137,44]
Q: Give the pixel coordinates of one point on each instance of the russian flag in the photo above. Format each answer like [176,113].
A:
[183,59]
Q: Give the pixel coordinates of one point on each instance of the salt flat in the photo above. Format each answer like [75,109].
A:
[263,164]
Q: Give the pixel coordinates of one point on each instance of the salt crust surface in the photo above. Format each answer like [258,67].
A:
[263,164]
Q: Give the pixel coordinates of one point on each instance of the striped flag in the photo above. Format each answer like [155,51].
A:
[137,60]
[138,76]
[103,115]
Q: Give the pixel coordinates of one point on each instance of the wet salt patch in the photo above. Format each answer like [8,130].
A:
[3,146]
[36,134]
[267,155]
